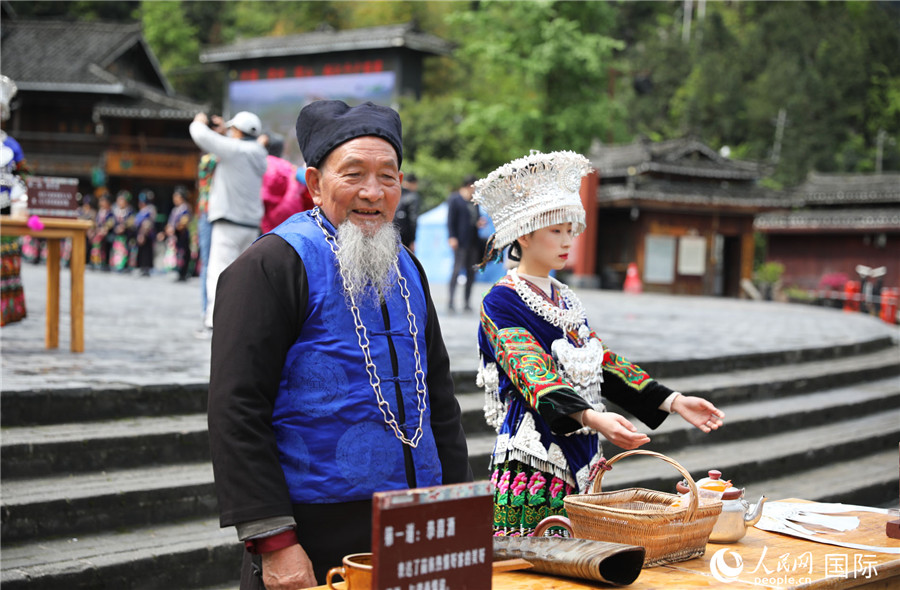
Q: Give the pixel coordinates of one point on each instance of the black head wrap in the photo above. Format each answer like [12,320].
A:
[325,124]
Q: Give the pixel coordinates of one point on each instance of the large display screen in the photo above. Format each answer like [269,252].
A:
[278,101]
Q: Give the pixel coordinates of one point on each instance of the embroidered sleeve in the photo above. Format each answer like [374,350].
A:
[631,388]
[529,367]
[636,377]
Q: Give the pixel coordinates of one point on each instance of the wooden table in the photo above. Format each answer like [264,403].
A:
[769,561]
[55,231]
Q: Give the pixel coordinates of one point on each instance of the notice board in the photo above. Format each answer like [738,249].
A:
[437,538]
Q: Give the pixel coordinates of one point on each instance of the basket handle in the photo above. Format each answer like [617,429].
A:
[596,487]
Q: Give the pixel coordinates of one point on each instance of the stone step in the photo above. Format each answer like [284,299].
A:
[751,419]
[189,554]
[88,404]
[830,483]
[745,385]
[762,360]
[779,381]
[178,489]
[80,504]
[36,451]
[62,406]
[78,447]
[784,455]
[750,460]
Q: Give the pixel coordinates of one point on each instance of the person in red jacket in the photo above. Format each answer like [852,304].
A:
[282,194]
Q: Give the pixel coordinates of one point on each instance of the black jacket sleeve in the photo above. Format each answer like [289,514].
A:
[261,302]
[260,305]
[642,399]
[445,412]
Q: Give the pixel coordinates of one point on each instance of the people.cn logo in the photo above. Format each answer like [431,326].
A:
[723,572]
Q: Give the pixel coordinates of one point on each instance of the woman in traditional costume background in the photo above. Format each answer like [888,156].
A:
[103,223]
[122,233]
[144,232]
[542,366]
[177,235]
[12,164]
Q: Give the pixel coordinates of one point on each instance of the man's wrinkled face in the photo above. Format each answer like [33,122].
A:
[358,182]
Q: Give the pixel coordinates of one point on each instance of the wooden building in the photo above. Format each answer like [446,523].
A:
[275,77]
[835,222]
[93,104]
[679,211]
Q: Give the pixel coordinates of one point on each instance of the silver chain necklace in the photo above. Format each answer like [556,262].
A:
[363,340]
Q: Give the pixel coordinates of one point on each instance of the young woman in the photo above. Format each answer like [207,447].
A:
[542,367]
[177,234]
[103,224]
[120,236]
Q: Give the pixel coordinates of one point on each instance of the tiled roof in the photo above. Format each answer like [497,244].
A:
[722,194]
[685,157]
[824,219]
[403,35]
[849,189]
[145,102]
[59,55]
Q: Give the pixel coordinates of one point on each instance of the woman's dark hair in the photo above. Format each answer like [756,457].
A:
[493,255]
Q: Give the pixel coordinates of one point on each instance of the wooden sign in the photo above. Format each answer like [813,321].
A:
[152,165]
[51,196]
[437,538]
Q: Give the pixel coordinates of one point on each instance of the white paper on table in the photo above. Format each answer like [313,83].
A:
[823,507]
[799,513]
[783,517]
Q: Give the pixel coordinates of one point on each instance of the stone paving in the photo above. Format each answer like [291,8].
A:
[140,330]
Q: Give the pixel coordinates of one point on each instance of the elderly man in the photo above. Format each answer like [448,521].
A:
[330,379]
[235,207]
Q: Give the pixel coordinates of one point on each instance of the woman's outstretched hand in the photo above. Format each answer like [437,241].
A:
[699,412]
[615,428]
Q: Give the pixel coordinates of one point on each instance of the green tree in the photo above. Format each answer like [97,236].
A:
[77,10]
[831,66]
[537,76]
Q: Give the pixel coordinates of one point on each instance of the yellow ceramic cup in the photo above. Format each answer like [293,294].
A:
[356,571]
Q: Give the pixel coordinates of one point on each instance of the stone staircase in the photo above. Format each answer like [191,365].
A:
[112,488]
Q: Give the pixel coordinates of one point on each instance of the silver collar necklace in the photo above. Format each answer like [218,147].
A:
[568,318]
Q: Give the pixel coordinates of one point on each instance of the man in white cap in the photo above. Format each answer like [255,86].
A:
[235,207]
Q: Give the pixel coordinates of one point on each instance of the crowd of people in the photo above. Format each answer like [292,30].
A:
[244,189]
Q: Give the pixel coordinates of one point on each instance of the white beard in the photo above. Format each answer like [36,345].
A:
[367,261]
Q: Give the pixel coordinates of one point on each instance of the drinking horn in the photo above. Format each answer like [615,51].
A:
[613,563]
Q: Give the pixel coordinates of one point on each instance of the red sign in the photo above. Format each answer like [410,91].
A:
[51,196]
[438,538]
[367,66]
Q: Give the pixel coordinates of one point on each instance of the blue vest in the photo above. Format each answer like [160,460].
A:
[333,442]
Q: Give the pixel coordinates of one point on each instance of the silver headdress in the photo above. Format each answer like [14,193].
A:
[8,91]
[533,192]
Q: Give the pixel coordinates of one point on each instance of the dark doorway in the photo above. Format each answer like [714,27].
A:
[728,266]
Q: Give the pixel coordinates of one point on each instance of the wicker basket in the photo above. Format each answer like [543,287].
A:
[637,516]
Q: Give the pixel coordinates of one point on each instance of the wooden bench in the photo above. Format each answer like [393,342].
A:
[55,231]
